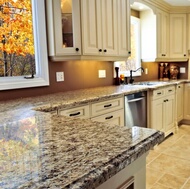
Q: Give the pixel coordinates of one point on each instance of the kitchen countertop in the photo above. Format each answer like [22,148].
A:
[40,150]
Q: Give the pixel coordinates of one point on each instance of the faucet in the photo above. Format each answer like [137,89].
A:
[131,77]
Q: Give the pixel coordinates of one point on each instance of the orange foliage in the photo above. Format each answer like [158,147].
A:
[16,34]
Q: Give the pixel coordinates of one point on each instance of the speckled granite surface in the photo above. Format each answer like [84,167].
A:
[38,150]
[46,151]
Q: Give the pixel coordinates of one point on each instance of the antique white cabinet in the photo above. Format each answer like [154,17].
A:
[99,27]
[162,109]
[179,101]
[162,26]
[63,26]
[178,38]
[88,29]
[110,111]
[187,101]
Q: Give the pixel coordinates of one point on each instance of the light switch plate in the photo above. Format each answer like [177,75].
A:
[182,70]
[101,73]
[59,76]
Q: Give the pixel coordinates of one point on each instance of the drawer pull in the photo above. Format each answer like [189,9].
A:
[110,117]
[170,90]
[159,93]
[108,105]
[74,114]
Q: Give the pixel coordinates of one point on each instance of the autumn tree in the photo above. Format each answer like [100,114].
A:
[16,38]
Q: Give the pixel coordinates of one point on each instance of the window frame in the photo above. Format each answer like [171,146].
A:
[41,55]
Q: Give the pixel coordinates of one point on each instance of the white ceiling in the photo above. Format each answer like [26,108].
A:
[178,2]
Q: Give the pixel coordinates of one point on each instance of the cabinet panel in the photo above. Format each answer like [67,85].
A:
[162,34]
[63,23]
[187,101]
[157,115]
[99,26]
[179,100]
[107,106]
[116,118]
[178,43]
[81,112]
[124,33]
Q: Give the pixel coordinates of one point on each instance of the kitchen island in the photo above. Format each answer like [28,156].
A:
[41,150]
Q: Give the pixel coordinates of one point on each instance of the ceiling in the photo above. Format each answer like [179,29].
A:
[178,2]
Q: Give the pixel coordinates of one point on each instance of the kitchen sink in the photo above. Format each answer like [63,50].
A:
[150,83]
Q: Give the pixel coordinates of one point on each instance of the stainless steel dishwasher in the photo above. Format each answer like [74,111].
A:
[136,109]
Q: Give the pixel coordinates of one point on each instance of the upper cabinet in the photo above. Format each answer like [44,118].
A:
[162,19]
[99,27]
[178,39]
[88,29]
[64,32]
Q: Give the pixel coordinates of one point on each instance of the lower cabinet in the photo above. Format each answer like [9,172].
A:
[162,110]
[81,112]
[132,176]
[116,117]
[110,111]
[187,101]
[179,102]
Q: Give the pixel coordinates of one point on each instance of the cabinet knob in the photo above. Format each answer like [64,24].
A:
[100,50]
[184,54]
[129,52]
[77,49]
[105,50]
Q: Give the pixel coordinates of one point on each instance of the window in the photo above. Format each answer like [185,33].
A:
[134,61]
[23,63]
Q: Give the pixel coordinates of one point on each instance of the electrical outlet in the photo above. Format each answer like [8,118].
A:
[101,73]
[146,71]
[59,76]
[182,70]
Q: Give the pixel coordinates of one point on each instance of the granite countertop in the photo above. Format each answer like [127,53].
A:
[40,150]
[51,151]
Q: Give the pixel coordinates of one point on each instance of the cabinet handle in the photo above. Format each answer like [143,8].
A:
[105,50]
[170,90]
[108,105]
[159,93]
[77,49]
[74,114]
[110,117]
[100,50]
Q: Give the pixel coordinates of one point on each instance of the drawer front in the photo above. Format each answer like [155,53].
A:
[82,112]
[170,90]
[158,93]
[107,106]
[116,118]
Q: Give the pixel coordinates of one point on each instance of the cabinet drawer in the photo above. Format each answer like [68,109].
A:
[158,93]
[170,90]
[107,106]
[82,112]
[116,117]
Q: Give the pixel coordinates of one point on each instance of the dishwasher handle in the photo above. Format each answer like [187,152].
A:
[135,99]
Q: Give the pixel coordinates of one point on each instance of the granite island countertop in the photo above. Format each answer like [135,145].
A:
[39,150]
[51,151]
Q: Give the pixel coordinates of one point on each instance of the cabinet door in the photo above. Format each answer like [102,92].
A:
[169,115]
[187,101]
[99,27]
[116,118]
[157,114]
[178,42]
[179,100]
[124,34]
[63,21]
[162,34]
